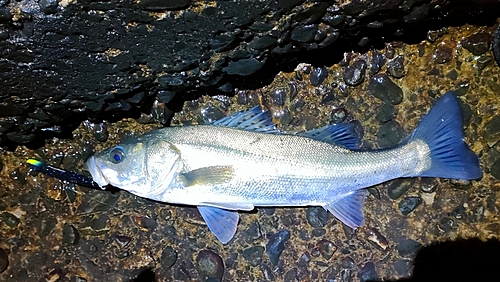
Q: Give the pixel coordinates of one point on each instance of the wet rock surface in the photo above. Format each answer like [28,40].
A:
[50,232]
[68,61]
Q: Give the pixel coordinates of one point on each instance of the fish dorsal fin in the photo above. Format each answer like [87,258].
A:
[348,208]
[341,134]
[221,222]
[210,175]
[252,120]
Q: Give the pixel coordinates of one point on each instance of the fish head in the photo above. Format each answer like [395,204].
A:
[143,167]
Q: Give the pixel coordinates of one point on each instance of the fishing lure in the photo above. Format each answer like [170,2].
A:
[62,174]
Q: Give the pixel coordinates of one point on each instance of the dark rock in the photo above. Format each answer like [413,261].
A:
[231,260]
[209,266]
[276,245]
[408,248]
[5,15]
[453,75]
[291,275]
[318,75]
[329,39]
[403,267]
[70,235]
[382,87]
[338,115]
[48,6]
[347,263]
[263,42]
[417,13]
[355,73]
[165,96]
[409,204]
[442,54]
[376,62]
[377,239]
[461,184]
[483,62]
[478,43]
[495,169]
[387,112]
[46,225]
[317,216]
[122,240]
[459,212]
[428,184]
[399,186]
[243,67]
[396,67]
[164,5]
[253,255]
[10,219]
[327,97]
[147,222]
[492,130]
[462,88]
[252,233]
[318,232]
[211,113]
[446,224]
[326,248]
[495,45]
[4,260]
[304,33]
[99,130]
[389,134]
[368,273]
[278,96]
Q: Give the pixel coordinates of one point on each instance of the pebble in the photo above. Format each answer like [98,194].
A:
[211,113]
[347,263]
[389,134]
[338,115]
[409,204]
[4,260]
[399,186]
[318,232]
[446,224]
[253,255]
[168,257]
[276,245]
[376,62]
[386,113]
[317,216]
[368,273]
[492,131]
[459,212]
[99,130]
[318,75]
[355,73]
[291,275]
[442,54]
[209,266]
[428,184]
[382,87]
[377,239]
[408,248]
[252,233]
[478,43]
[70,235]
[10,219]
[326,248]
[495,169]
[165,96]
[46,225]
[403,267]
[278,96]
[396,67]
[122,240]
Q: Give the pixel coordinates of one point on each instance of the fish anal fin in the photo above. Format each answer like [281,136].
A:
[210,175]
[222,223]
[348,208]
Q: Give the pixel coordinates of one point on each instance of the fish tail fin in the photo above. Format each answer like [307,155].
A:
[442,130]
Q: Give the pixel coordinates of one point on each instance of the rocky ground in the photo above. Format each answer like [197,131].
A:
[55,231]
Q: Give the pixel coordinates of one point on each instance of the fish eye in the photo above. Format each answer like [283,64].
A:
[116,155]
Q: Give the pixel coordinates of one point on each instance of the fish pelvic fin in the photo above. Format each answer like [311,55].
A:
[222,223]
[348,208]
[442,131]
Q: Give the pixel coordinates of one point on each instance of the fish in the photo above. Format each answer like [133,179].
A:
[243,161]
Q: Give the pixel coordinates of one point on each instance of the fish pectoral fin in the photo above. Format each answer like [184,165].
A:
[348,208]
[221,222]
[230,206]
[210,175]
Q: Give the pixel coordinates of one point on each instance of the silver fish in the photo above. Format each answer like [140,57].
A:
[242,161]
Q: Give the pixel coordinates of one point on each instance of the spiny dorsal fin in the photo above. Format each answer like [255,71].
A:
[252,120]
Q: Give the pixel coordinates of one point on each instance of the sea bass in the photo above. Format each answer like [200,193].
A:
[243,161]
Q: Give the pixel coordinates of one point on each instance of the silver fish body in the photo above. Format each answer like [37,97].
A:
[221,169]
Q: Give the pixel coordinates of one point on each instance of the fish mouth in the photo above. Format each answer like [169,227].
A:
[96,172]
